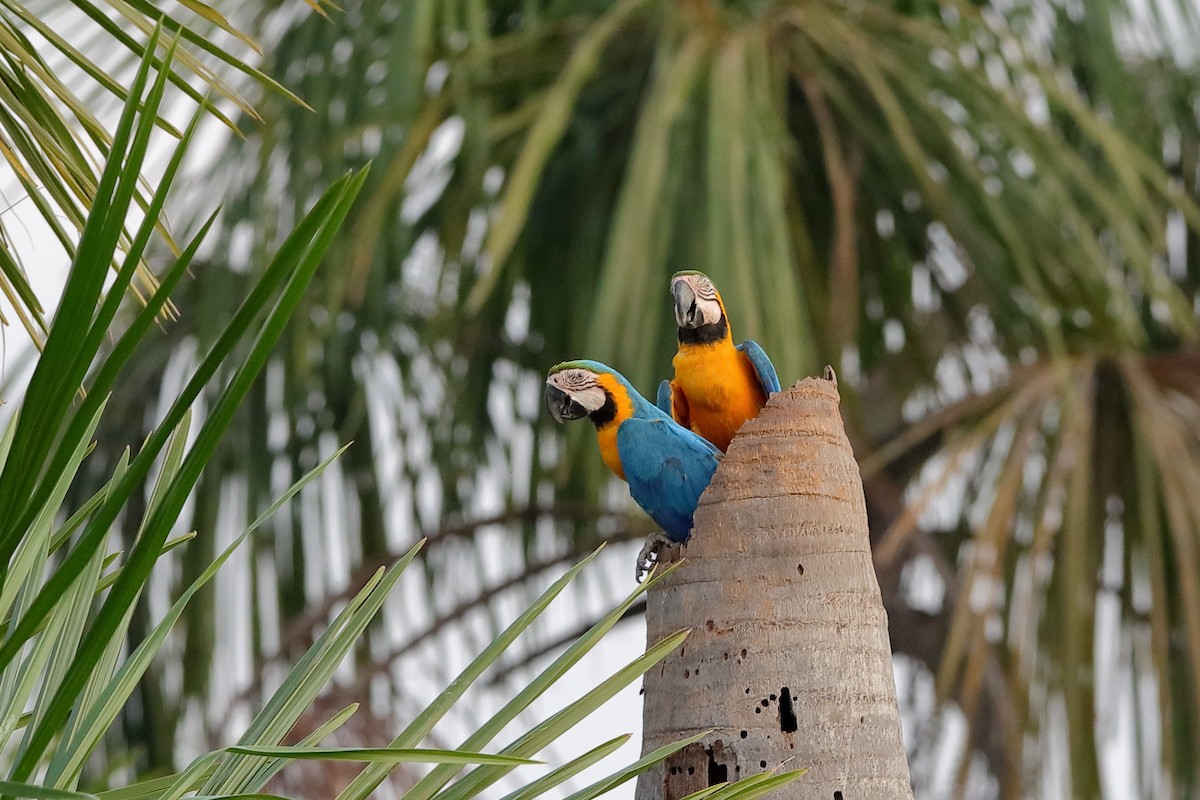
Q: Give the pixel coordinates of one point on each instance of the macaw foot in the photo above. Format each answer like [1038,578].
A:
[648,556]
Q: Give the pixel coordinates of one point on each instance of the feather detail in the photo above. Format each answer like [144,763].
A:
[668,467]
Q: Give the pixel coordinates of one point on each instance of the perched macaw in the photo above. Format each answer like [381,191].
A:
[717,386]
[666,466]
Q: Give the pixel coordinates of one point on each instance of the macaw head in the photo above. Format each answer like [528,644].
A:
[697,302]
[578,389]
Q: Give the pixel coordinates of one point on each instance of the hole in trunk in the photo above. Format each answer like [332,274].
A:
[696,767]
[838,796]
[717,773]
[787,716]
[800,569]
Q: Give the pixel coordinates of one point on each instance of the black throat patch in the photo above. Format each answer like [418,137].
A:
[606,413]
[705,334]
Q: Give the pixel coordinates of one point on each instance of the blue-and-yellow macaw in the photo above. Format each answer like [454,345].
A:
[666,466]
[717,386]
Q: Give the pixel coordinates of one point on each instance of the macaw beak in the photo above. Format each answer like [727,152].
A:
[686,311]
[562,406]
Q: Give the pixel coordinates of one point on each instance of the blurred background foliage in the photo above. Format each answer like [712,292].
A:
[982,213]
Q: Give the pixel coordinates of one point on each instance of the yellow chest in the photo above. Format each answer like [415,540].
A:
[606,437]
[721,388]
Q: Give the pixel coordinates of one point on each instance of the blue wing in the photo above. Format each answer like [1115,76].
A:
[667,468]
[762,366]
[663,400]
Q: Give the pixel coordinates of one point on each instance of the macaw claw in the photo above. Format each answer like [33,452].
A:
[648,557]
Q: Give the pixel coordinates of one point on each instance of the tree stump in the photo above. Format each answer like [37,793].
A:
[788,662]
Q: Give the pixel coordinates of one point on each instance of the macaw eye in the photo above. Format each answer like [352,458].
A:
[705,289]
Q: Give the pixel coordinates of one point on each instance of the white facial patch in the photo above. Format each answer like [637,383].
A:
[708,309]
[581,385]
[703,287]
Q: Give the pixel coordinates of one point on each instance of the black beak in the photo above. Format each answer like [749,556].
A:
[685,305]
[562,406]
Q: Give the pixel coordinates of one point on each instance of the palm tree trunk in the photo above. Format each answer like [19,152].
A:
[788,661]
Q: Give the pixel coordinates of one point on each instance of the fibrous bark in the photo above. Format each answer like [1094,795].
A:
[788,662]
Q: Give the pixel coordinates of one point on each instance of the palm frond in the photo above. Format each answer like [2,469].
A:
[52,139]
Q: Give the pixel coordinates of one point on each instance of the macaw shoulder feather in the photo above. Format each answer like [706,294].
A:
[767,377]
[663,399]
